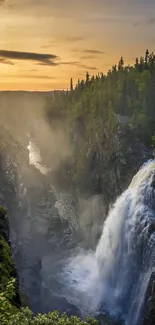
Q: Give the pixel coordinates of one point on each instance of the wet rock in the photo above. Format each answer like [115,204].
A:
[151,228]
[149,303]
[153,181]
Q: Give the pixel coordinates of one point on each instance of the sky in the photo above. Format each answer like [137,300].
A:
[44,43]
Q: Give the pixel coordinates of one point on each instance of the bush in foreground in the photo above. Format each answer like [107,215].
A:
[11,315]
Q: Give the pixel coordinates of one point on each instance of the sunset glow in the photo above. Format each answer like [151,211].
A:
[46,42]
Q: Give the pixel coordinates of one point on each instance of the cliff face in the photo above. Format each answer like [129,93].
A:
[106,168]
[7,267]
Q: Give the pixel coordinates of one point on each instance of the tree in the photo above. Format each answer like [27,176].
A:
[87,77]
[146,56]
[137,63]
[121,63]
[71,84]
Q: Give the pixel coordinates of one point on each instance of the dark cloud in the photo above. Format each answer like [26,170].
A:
[78,64]
[39,58]
[2,2]
[4,61]
[87,67]
[93,52]
[69,63]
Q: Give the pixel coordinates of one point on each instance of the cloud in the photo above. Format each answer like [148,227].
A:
[69,63]
[78,64]
[89,53]
[98,52]
[36,77]
[2,2]
[4,61]
[87,67]
[89,57]
[39,58]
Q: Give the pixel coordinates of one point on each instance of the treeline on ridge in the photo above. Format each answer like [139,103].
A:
[105,113]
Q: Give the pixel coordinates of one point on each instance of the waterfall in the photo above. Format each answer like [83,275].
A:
[116,275]
[47,243]
[35,158]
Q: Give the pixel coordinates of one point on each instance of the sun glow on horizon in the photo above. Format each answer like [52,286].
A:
[44,44]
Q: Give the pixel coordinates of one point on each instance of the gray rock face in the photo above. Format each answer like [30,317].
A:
[40,234]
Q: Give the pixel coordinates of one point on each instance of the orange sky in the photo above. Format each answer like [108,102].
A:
[44,43]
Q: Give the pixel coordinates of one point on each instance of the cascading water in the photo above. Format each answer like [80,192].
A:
[35,158]
[116,275]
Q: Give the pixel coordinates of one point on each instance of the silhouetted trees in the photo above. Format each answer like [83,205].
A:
[71,84]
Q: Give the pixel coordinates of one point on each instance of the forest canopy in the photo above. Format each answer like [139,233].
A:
[125,91]
[104,114]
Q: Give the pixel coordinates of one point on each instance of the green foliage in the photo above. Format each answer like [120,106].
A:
[7,267]
[23,297]
[3,212]
[6,263]
[125,90]
[10,315]
[95,114]
[7,310]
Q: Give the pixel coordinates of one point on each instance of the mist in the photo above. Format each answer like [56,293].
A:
[23,115]
[48,224]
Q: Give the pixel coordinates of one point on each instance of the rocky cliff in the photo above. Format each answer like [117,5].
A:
[33,215]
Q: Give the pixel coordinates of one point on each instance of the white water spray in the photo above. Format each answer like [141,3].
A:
[116,275]
[35,158]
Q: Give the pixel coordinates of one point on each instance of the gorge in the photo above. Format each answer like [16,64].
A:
[77,180]
[59,247]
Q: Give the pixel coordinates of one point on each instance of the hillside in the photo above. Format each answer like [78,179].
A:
[111,121]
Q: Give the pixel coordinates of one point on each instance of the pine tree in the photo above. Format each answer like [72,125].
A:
[121,64]
[87,77]
[146,56]
[71,84]
[137,63]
